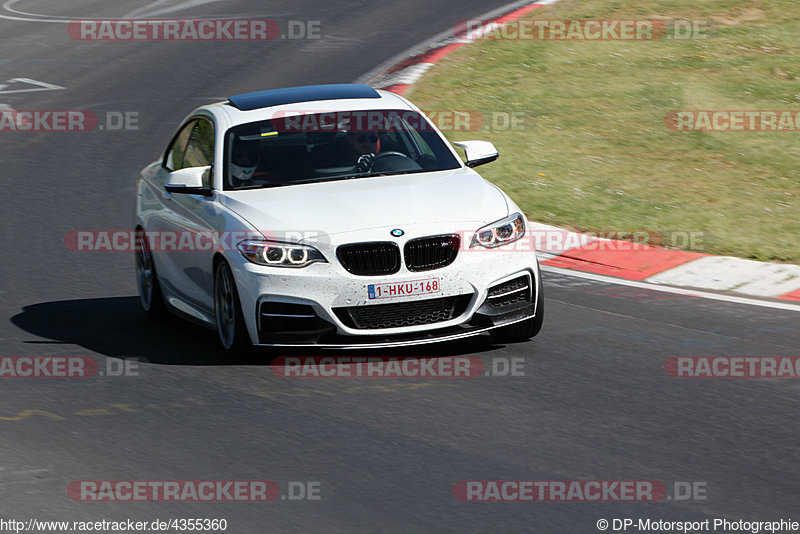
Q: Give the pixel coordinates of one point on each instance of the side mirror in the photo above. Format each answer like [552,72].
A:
[189,180]
[478,152]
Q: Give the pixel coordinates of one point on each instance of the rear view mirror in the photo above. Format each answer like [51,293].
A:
[478,152]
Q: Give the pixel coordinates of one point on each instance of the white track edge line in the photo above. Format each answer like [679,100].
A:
[672,289]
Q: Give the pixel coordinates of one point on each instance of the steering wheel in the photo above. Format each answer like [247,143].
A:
[370,162]
[390,153]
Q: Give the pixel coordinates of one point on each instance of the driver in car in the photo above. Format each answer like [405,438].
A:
[245,157]
[363,146]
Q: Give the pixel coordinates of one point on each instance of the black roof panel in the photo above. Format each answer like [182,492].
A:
[306,93]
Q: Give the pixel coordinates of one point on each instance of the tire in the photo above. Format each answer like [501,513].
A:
[523,330]
[228,317]
[150,296]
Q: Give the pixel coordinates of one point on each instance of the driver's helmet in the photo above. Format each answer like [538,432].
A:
[245,157]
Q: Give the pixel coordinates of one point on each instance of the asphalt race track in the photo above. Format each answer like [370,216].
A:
[594,401]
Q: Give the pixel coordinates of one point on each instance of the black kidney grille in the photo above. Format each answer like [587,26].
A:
[427,253]
[370,259]
[516,290]
[413,313]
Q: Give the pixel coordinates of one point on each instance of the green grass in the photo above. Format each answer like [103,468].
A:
[595,153]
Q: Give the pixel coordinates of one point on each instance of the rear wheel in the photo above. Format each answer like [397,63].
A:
[231,329]
[150,296]
[523,330]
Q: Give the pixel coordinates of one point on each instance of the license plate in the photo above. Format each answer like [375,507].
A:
[404,289]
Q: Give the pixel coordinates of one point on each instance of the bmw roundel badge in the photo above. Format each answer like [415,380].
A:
[397,232]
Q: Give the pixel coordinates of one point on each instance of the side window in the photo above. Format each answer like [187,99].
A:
[200,149]
[174,158]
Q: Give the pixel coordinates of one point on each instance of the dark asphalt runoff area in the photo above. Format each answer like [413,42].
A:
[592,402]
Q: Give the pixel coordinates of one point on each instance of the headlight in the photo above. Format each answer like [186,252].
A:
[276,254]
[500,232]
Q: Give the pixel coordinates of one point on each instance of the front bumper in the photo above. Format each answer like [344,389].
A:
[310,307]
[351,342]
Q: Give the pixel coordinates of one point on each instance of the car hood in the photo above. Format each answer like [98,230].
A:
[436,198]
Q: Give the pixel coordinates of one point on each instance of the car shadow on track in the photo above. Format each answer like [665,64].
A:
[117,327]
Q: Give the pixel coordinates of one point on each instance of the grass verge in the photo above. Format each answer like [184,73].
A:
[593,151]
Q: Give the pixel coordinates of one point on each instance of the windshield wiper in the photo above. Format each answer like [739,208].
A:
[392,173]
[372,175]
[261,186]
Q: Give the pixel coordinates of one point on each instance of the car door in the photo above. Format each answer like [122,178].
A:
[159,216]
[193,219]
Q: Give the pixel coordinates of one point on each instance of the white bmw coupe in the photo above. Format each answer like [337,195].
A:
[331,216]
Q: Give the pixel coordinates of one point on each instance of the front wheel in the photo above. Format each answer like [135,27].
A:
[150,296]
[231,329]
[523,330]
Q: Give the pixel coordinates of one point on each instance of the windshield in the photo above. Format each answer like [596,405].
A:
[325,146]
